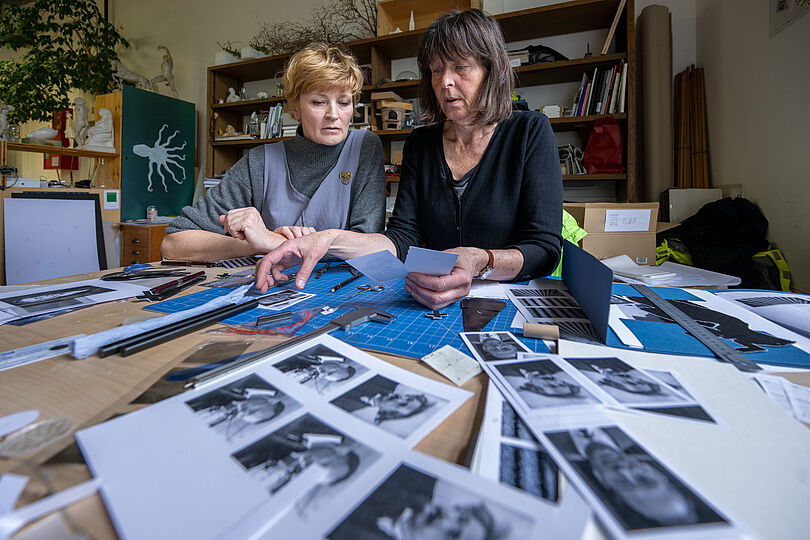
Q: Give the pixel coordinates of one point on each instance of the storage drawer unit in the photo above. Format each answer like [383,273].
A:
[140,243]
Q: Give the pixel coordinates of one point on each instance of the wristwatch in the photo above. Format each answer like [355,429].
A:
[488,269]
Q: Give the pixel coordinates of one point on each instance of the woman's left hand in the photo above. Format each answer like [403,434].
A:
[435,292]
[293,231]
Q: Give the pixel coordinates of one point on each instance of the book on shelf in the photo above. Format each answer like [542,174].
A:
[602,92]
[615,90]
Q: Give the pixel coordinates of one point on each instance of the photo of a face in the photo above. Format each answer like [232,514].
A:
[389,405]
[321,369]
[310,451]
[637,490]
[623,382]
[410,504]
[494,346]
[242,408]
[541,383]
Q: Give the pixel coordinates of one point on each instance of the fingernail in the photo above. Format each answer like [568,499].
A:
[299,283]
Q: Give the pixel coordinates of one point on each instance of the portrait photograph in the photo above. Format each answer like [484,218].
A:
[242,409]
[623,382]
[391,406]
[638,491]
[306,451]
[321,369]
[542,383]
[493,346]
[411,504]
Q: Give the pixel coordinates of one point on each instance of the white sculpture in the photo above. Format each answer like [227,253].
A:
[232,96]
[79,121]
[166,74]
[43,133]
[121,73]
[100,135]
[4,110]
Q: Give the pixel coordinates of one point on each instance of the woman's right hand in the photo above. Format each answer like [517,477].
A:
[305,250]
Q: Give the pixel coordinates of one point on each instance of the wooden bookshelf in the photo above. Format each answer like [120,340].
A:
[534,23]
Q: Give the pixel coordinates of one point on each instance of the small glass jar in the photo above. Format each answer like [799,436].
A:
[151,212]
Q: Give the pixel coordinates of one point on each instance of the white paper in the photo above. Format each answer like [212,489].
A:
[799,399]
[773,386]
[790,310]
[482,288]
[637,220]
[41,300]
[13,422]
[250,451]
[11,487]
[453,364]
[385,266]
[668,274]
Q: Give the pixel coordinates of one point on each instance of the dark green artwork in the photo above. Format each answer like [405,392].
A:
[158,142]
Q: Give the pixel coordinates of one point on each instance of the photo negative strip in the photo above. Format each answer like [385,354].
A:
[391,406]
[552,304]
[306,451]
[413,504]
[543,384]
[321,369]
[629,484]
[35,302]
[512,425]
[624,383]
[283,299]
[493,346]
[241,409]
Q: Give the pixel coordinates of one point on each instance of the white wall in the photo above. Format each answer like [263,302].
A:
[759,117]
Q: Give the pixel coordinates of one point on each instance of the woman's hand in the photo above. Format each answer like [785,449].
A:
[436,292]
[247,224]
[305,250]
[291,232]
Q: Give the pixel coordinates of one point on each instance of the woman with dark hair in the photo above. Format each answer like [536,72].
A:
[478,175]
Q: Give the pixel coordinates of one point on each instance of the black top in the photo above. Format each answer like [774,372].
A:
[513,199]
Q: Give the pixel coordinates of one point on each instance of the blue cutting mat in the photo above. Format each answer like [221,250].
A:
[410,334]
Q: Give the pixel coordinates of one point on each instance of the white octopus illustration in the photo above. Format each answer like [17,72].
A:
[161,156]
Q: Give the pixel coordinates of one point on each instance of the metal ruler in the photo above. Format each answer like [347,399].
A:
[35,353]
[722,350]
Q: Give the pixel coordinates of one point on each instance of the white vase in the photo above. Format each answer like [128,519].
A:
[224,57]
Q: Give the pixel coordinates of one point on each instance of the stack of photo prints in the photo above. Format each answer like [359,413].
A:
[313,442]
[317,441]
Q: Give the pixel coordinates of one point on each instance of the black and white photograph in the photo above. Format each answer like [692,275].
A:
[512,425]
[637,490]
[35,302]
[411,504]
[791,310]
[242,408]
[283,299]
[321,369]
[494,346]
[311,452]
[669,378]
[391,406]
[625,383]
[722,325]
[529,469]
[542,383]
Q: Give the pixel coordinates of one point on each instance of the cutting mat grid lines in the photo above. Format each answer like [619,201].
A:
[410,334]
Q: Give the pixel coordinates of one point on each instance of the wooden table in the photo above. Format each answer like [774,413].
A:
[95,389]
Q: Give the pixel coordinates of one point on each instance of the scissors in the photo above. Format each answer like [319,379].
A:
[366,288]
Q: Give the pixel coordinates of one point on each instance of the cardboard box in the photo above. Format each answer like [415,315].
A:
[677,204]
[617,228]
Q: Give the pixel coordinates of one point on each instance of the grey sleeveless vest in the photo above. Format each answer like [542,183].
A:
[330,204]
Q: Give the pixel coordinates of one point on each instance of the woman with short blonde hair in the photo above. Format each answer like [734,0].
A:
[326,177]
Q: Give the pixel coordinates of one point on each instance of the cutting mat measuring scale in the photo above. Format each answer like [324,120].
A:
[410,334]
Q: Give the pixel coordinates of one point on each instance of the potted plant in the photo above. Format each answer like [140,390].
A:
[64,45]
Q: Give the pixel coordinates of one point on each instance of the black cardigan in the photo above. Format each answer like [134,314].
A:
[513,199]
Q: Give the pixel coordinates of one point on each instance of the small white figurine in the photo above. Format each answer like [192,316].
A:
[233,97]
[4,110]
[100,135]
[166,71]
[121,73]
[261,94]
[79,121]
